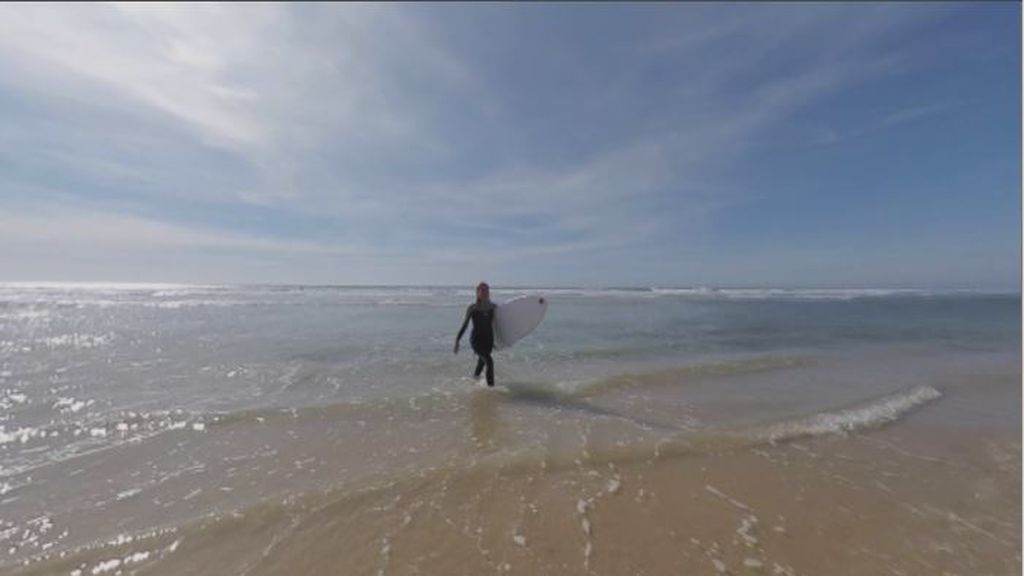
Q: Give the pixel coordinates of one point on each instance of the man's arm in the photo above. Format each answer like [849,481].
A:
[465,322]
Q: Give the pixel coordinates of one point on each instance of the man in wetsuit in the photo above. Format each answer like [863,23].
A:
[481,313]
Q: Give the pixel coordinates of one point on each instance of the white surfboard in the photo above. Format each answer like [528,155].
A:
[517,318]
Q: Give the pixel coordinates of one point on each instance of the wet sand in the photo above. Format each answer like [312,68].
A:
[937,492]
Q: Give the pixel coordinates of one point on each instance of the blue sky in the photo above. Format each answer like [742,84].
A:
[817,145]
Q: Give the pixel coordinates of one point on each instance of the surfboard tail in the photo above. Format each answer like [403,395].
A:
[517,318]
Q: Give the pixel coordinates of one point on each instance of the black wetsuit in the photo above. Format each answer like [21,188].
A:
[482,337]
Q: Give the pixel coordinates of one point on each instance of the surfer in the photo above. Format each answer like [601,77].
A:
[481,313]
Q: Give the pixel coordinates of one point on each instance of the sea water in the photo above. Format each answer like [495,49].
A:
[132,410]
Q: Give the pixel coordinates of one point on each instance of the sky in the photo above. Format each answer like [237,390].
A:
[663,144]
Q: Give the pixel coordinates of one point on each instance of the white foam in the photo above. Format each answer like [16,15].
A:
[106,566]
[703,292]
[120,540]
[11,398]
[76,341]
[814,294]
[22,435]
[65,405]
[136,558]
[128,493]
[747,525]
[96,286]
[874,414]
[613,485]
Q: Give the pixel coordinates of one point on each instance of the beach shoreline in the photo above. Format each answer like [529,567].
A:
[929,494]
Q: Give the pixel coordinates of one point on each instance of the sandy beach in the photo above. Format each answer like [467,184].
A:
[937,492]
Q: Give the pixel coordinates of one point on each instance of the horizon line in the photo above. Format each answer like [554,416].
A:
[636,288]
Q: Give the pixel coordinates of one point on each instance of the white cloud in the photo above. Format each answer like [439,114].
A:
[143,54]
[265,81]
[377,119]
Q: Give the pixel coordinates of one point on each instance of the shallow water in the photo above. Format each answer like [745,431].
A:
[130,410]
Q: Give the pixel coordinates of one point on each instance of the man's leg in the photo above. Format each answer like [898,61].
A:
[490,370]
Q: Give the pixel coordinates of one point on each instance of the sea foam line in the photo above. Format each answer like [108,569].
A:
[871,415]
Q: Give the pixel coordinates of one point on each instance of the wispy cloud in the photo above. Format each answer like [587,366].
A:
[60,229]
[447,133]
[158,56]
[829,135]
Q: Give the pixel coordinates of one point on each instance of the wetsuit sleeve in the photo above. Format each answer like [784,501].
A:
[465,322]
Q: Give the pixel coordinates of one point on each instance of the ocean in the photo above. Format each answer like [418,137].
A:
[139,420]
